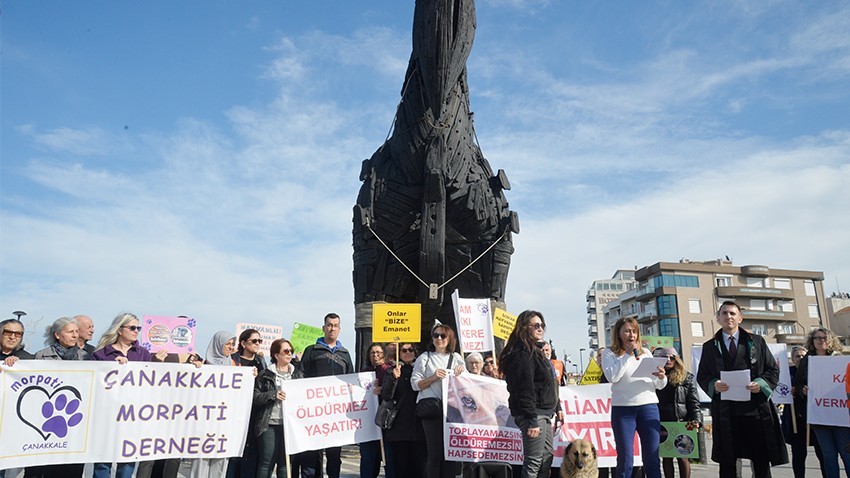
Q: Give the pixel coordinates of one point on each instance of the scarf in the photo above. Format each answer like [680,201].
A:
[66,353]
[215,349]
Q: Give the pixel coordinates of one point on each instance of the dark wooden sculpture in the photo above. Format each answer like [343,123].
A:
[429,197]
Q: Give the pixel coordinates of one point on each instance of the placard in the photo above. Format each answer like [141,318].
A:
[474,324]
[827,402]
[396,323]
[175,335]
[503,323]
[653,342]
[269,333]
[679,440]
[592,374]
[304,335]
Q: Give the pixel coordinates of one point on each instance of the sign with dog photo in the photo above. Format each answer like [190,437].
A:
[679,440]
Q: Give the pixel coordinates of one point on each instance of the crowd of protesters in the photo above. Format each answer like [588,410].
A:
[413,445]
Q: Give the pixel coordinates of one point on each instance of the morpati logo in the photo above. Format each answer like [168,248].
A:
[54,413]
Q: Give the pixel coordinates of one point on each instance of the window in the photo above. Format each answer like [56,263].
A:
[810,288]
[786,329]
[723,281]
[785,305]
[759,329]
[758,304]
[782,283]
[697,329]
[667,305]
[694,306]
[755,282]
[669,327]
[666,280]
[813,311]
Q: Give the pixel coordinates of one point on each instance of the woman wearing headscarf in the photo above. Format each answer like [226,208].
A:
[221,347]
[677,402]
[120,343]
[834,441]
[61,340]
[533,392]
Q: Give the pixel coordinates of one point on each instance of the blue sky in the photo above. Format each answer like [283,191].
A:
[202,158]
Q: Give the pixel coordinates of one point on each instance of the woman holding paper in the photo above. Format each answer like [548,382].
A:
[833,440]
[677,402]
[267,412]
[634,404]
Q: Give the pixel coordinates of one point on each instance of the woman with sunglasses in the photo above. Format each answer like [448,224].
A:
[533,392]
[429,371]
[267,412]
[404,442]
[247,355]
[634,404]
[677,402]
[12,342]
[120,343]
[834,441]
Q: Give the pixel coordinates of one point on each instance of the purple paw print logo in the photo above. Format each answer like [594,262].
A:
[191,323]
[484,308]
[58,414]
[783,389]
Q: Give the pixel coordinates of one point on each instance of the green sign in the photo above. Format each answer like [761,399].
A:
[678,440]
[304,335]
[652,342]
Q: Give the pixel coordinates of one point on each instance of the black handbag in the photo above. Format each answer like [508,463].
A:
[385,416]
[429,408]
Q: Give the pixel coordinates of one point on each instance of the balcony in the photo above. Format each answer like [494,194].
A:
[777,315]
[591,293]
[755,271]
[754,292]
[791,339]
[591,330]
[591,320]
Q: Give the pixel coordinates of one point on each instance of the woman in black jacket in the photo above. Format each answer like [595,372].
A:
[677,402]
[533,398]
[267,412]
[404,440]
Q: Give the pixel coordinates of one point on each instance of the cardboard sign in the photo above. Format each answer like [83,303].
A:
[396,322]
[474,327]
[175,335]
[269,333]
[679,440]
[304,335]
[503,323]
[592,375]
[827,402]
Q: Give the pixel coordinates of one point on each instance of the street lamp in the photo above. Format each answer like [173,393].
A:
[581,358]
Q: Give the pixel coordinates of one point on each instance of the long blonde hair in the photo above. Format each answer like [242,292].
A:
[111,335]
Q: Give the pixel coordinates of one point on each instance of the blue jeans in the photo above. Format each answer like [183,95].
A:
[271,451]
[370,459]
[833,442]
[122,470]
[537,451]
[645,420]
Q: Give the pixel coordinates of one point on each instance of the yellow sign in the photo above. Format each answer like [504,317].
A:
[503,323]
[396,322]
[592,375]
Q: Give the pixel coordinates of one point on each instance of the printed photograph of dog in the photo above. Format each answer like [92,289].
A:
[579,460]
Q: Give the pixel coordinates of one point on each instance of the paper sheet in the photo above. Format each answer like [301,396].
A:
[737,381]
[648,366]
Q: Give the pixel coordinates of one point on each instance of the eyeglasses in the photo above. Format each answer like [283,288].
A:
[13,333]
[405,350]
[286,351]
[332,326]
[376,352]
[488,362]
[799,356]
[438,336]
[669,357]
[132,328]
[819,338]
[256,341]
[537,325]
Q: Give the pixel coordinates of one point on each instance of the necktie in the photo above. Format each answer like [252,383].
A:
[733,350]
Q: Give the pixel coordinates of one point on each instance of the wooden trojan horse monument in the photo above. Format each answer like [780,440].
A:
[431,216]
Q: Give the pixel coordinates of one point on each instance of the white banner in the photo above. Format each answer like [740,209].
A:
[696,355]
[587,415]
[782,392]
[84,412]
[827,400]
[323,412]
[478,424]
[474,323]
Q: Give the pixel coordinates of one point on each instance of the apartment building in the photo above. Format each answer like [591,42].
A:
[599,294]
[679,300]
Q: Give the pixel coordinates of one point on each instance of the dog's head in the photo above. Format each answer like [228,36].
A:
[580,453]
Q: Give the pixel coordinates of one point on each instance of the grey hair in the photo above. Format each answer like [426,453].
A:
[474,357]
[57,326]
[23,329]
[111,335]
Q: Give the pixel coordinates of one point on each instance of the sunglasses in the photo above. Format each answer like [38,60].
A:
[439,336]
[286,351]
[537,325]
[255,341]
[132,328]
[405,350]
[376,352]
[488,362]
[12,333]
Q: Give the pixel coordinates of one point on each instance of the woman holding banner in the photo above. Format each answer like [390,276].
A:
[370,451]
[634,404]
[404,441]
[677,402]
[533,399]
[247,355]
[427,378]
[120,343]
[833,440]
[267,413]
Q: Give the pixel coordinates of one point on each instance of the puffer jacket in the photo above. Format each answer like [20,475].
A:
[531,383]
[265,394]
[685,404]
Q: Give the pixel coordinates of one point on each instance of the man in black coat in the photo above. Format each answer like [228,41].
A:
[741,429]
